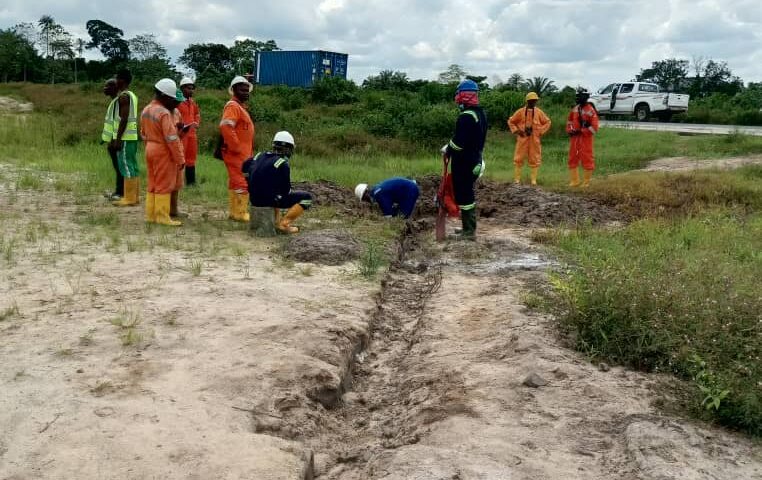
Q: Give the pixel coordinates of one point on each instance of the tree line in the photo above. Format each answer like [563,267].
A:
[44,52]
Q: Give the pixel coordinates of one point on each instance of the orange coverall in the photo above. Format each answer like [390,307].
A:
[238,135]
[581,139]
[178,118]
[190,114]
[528,147]
[164,152]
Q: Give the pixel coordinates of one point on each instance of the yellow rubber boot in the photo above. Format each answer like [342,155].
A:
[587,175]
[150,208]
[130,197]
[516,174]
[232,204]
[243,207]
[533,175]
[161,210]
[284,226]
[573,177]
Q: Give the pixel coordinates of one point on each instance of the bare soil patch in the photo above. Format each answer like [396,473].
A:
[11,105]
[326,247]
[683,164]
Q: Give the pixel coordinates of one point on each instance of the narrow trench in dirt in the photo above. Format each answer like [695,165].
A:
[391,393]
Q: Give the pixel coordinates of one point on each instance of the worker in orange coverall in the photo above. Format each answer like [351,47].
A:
[582,125]
[191,121]
[529,123]
[164,151]
[174,210]
[237,131]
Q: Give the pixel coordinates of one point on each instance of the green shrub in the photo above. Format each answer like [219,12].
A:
[499,106]
[659,295]
[431,125]
[335,91]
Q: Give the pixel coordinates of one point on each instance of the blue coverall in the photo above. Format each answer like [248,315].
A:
[395,196]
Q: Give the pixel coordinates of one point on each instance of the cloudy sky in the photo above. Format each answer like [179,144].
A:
[575,42]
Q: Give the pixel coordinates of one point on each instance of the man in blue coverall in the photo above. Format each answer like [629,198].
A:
[395,196]
[268,175]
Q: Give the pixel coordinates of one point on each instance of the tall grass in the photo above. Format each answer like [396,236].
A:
[679,296]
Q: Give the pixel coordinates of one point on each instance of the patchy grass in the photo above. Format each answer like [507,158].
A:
[680,296]
[643,194]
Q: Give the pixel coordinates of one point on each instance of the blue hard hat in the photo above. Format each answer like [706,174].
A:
[467,86]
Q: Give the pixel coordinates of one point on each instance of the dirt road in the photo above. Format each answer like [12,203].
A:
[132,362]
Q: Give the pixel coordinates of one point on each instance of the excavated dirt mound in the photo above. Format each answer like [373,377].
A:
[328,193]
[523,205]
[516,204]
[324,247]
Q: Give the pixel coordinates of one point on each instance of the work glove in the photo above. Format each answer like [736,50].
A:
[443,150]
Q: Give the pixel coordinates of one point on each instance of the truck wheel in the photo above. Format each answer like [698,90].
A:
[641,112]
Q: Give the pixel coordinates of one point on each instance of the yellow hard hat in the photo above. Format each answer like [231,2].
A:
[532,96]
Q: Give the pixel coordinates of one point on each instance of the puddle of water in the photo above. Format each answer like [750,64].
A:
[520,261]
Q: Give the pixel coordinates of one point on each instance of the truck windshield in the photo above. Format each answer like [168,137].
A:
[607,89]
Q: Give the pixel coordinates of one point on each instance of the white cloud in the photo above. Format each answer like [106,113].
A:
[589,42]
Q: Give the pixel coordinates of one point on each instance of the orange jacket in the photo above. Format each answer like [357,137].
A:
[580,114]
[237,132]
[581,139]
[164,152]
[157,127]
[190,114]
[528,147]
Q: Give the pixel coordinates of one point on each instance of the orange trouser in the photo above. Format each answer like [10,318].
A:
[162,171]
[581,151]
[529,148]
[236,181]
[190,148]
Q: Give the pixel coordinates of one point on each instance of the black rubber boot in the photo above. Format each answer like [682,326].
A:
[190,176]
[468,220]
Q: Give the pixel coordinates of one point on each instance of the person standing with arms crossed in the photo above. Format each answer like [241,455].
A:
[125,139]
[237,130]
[582,125]
[191,118]
[529,124]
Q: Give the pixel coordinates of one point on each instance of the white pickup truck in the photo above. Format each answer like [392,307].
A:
[640,99]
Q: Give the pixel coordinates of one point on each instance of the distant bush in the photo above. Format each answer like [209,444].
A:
[334,91]
[499,106]
[430,125]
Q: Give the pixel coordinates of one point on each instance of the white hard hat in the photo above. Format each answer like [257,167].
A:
[187,81]
[284,137]
[167,86]
[236,80]
[360,190]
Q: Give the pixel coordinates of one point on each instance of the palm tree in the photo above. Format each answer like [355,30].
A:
[47,28]
[540,85]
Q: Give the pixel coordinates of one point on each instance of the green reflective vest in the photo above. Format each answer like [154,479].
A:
[111,122]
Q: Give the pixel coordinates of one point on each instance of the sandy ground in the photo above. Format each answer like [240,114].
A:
[124,364]
[205,356]
[682,164]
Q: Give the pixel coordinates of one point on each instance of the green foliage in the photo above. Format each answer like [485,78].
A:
[499,106]
[334,91]
[207,59]
[108,39]
[388,80]
[430,125]
[658,295]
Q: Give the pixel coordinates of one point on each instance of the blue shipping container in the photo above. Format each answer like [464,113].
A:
[298,68]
